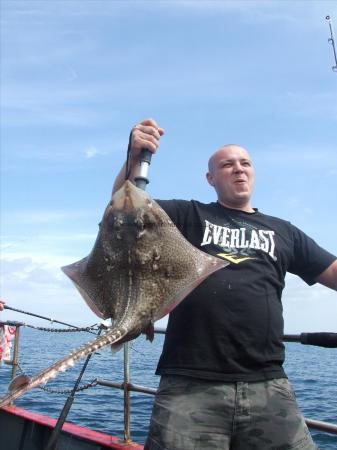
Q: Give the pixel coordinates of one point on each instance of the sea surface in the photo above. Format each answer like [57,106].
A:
[311,370]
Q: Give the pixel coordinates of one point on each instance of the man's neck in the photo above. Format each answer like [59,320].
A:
[246,207]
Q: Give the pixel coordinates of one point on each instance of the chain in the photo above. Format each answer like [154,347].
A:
[136,350]
[93,383]
[63,330]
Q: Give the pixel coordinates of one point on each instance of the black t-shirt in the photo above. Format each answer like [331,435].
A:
[230,327]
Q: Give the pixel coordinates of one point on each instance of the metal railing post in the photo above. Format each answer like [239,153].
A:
[127,437]
[15,360]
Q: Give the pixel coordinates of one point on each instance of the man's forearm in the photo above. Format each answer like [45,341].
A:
[122,173]
[329,276]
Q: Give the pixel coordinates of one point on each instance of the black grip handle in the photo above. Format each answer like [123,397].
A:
[145,156]
[328,340]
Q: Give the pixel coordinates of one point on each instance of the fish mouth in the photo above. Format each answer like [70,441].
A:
[129,197]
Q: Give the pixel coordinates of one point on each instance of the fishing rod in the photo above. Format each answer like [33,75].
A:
[319,339]
[323,339]
[332,41]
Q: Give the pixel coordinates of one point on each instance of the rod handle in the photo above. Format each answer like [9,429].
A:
[141,179]
[320,339]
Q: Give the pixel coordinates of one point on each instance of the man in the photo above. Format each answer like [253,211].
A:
[223,385]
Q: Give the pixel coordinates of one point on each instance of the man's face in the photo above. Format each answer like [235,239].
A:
[232,175]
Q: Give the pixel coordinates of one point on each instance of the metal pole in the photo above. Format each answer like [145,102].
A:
[322,426]
[15,360]
[51,445]
[141,181]
[127,435]
[132,387]
[315,424]
[332,42]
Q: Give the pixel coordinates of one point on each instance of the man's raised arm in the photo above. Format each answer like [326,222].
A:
[144,135]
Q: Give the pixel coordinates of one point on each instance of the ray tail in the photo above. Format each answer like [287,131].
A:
[110,337]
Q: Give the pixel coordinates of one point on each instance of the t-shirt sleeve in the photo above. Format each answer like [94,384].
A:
[309,259]
[177,210]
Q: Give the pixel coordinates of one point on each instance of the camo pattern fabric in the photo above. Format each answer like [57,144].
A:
[193,414]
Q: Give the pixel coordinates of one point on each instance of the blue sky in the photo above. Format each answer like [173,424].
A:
[77,75]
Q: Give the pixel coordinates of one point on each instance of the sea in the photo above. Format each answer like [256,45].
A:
[311,370]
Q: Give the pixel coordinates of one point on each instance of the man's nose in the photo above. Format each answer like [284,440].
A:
[238,167]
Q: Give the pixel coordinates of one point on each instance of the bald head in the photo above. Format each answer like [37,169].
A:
[223,151]
[231,173]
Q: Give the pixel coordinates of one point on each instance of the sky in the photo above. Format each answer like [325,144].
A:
[77,75]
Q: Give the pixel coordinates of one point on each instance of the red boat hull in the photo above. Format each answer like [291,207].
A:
[25,430]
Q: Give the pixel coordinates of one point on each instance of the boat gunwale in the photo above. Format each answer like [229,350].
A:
[108,441]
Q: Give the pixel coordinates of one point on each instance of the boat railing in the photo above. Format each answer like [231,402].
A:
[319,339]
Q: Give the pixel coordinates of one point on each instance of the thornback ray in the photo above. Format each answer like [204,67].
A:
[139,269]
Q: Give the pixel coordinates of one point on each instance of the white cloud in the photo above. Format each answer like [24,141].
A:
[40,287]
[9,245]
[29,271]
[63,156]
[91,152]
[47,250]
[37,284]
[308,308]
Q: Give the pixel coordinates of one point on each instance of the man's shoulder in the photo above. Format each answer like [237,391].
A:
[180,203]
[272,222]
[184,211]
[274,219]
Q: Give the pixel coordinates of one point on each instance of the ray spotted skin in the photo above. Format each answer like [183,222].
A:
[139,269]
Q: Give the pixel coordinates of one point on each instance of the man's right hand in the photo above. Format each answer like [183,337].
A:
[145,135]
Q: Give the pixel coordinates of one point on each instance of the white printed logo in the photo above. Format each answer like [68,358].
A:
[234,239]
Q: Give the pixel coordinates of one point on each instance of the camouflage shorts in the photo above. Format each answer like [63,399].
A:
[191,414]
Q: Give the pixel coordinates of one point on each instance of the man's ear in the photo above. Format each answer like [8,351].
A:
[209,177]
